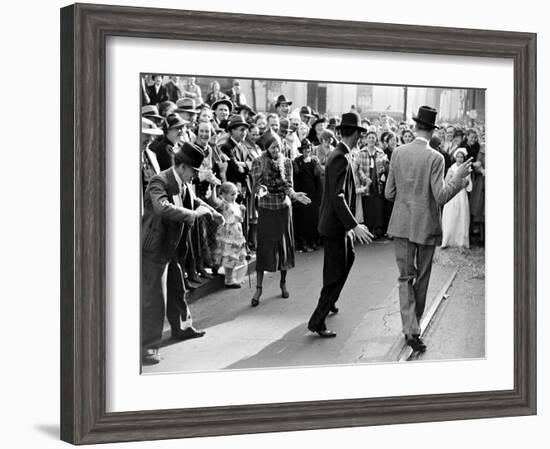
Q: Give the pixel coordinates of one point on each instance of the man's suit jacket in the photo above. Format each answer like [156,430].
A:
[337,211]
[164,224]
[230,149]
[154,97]
[417,187]
[164,150]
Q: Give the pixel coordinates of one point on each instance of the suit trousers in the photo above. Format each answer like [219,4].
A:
[161,283]
[414,262]
[339,255]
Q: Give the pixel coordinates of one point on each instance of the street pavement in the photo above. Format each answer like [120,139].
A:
[457,330]
[274,334]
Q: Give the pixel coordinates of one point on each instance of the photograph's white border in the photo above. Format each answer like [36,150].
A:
[128,390]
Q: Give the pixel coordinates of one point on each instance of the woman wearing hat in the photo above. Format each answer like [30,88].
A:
[317,128]
[272,181]
[455,219]
[307,179]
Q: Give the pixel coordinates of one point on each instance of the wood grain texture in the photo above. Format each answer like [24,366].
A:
[84,29]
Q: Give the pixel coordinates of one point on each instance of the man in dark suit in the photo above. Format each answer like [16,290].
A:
[337,224]
[156,91]
[166,146]
[416,186]
[170,208]
[233,148]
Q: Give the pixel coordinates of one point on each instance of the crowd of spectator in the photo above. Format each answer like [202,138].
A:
[271,200]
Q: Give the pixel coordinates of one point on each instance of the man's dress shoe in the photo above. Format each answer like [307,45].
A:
[186,334]
[416,344]
[323,333]
[150,357]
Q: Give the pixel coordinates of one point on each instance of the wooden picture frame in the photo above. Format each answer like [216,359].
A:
[84,29]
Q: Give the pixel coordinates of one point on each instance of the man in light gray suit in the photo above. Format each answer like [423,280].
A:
[416,185]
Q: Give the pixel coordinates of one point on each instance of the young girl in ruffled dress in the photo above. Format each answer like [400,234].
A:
[456,213]
[231,244]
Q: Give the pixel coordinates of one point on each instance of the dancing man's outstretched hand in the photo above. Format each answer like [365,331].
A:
[362,233]
[464,169]
[301,197]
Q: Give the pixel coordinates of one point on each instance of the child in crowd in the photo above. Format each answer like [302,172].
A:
[231,244]
[456,213]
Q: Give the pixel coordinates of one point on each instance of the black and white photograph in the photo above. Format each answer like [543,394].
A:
[301,223]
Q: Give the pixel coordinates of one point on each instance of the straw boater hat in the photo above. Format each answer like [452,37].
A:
[351,120]
[190,155]
[426,116]
[223,101]
[148,127]
[235,121]
[186,105]
[281,99]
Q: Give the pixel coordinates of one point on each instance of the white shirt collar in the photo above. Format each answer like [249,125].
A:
[422,138]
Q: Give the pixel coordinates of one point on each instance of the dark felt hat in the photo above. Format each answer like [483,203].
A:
[245,107]
[426,116]
[305,144]
[306,110]
[190,155]
[319,120]
[435,142]
[225,101]
[175,121]
[281,99]
[351,120]
[235,121]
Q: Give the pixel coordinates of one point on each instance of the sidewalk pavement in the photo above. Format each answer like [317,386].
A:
[275,333]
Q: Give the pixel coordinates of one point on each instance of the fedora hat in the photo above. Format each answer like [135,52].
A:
[319,120]
[351,120]
[148,127]
[306,110]
[151,111]
[175,121]
[245,107]
[426,116]
[166,108]
[225,101]
[235,121]
[186,105]
[281,99]
[190,155]
[305,144]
